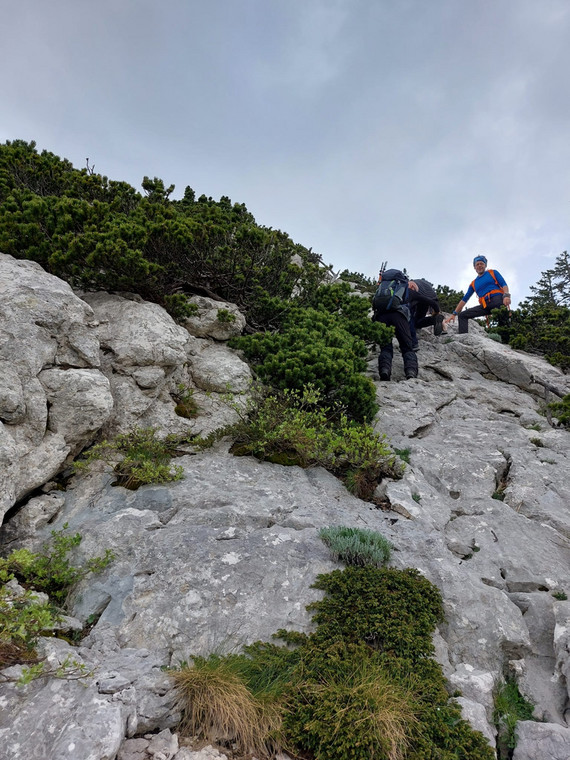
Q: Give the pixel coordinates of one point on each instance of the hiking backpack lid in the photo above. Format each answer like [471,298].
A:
[425,287]
[392,292]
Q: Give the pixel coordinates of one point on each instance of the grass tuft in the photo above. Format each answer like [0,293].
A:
[357,546]
[217,706]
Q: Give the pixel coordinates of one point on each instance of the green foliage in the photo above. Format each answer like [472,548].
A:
[541,324]
[357,546]
[325,345]
[225,317]
[366,284]
[404,454]
[394,611]
[561,410]
[510,707]
[363,685]
[448,298]
[179,307]
[292,427]
[186,405]
[560,595]
[416,497]
[50,570]
[495,336]
[537,442]
[138,458]
[553,288]
[103,235]
[24,616]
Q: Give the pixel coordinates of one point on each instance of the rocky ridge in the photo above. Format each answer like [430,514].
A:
[227,555]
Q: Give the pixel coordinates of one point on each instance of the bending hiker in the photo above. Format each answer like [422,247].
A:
[390,306]
[423,297]
[492,290]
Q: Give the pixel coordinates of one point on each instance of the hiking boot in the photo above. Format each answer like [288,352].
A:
[384,376]
[416,347]
[438,326]
[411,374]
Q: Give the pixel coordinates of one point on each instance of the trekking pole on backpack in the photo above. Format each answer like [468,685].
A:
[382,270]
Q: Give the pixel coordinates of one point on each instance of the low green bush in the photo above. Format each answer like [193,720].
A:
[50,570]
[137,458]
[23,615]
[364,685]
[225,316]
[324,346]
[561,410]
[356,546]
[179,307]
[292,427]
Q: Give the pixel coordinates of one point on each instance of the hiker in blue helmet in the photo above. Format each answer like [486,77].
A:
[490,287]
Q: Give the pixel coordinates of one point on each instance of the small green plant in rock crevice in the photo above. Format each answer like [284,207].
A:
[179,307]
[226,317]
[356,546]
[404,454]
[50,570]
[186,405]
[292,428]
[137,458]
[24,616]
[561,410]
[510,707]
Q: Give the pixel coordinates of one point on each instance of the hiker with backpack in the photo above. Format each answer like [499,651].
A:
[420,301]
[390,305]
[492,290]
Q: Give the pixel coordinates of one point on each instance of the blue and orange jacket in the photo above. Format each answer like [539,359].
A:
[486,285]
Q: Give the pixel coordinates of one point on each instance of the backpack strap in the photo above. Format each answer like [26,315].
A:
[484,300]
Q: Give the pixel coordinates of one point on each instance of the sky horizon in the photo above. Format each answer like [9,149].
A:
[368,130]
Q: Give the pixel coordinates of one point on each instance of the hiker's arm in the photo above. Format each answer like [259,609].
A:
[506,296]
[456,311]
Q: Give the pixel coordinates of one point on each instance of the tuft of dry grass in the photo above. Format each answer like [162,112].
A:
[217,706]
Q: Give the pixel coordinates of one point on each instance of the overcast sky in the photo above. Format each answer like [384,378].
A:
[421,132]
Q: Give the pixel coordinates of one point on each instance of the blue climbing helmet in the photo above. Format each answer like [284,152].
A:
[480,258]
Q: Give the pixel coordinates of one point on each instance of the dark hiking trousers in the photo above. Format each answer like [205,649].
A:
[401,324]
[495,302]
[420,319]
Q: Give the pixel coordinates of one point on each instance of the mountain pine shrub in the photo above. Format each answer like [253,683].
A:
[364,685]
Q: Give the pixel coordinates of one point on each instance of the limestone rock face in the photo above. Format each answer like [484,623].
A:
[148,359]
[228,555]
[53,397]
[215,319]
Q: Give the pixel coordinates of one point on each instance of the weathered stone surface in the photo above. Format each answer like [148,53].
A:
[228,555]
[207,322]
[58,718]
[79,400]
[46,331]
[216,369]
[541,740]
